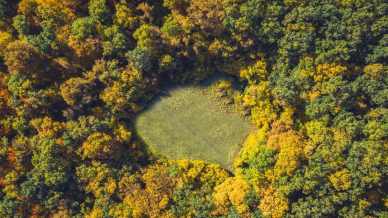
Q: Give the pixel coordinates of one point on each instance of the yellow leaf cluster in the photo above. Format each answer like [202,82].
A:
[150,199]
[63,8]
[114,95]
[26,7]
[120,210]
[341,140]
[5,39]
[216,47]
[327,71]
[263,114]
[9,182]
[198,170]
[233,191]
[375,71]
[341,180]
[122,133]
[71,90]
[147,37]
[255,73]
[47,127]
[290,145]
[124,16]
[286,117]
[99,146]
[130,75]
[317,131]
[312,95]
[253,141]
[273,204]
[86,51]
[166,61]
[98,180]
[95,213]
[257,98]
[207,15]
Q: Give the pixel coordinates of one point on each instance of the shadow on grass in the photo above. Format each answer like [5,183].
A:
[166,90]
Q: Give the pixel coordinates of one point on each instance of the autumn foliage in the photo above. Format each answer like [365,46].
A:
[312,77]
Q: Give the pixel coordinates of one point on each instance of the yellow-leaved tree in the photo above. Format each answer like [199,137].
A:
[232,192]
[100,146]
[272,203]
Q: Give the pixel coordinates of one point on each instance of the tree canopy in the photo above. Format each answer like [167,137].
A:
[312,76]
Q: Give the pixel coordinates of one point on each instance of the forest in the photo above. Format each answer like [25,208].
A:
[310,76]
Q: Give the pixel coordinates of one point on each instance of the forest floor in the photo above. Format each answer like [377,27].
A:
[187,123]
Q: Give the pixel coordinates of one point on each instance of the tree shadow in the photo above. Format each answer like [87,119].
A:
[168,88]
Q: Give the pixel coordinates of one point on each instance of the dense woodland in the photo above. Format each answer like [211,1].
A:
[312,77]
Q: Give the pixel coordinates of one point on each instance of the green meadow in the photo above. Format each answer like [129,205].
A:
[187,123]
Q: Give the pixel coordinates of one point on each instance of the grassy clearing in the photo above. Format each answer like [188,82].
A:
[187,123]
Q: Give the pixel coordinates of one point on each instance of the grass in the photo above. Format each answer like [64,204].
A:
[187,123]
